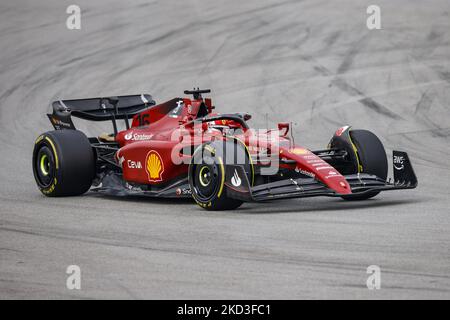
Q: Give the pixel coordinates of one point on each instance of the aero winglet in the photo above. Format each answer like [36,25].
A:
[236,181]
[403,171]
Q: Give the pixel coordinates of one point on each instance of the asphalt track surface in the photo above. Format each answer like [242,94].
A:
[310,62]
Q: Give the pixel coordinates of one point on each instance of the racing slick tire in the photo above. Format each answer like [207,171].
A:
[207,174]
[372,159]
[63,163]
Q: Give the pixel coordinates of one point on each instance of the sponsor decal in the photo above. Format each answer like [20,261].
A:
[133,188]
[398,162]
[298,151]
[324,168]
[340,131]
[128,136]
[315,161]
[140,137]
[236,180]
[121,160]
[58,123]
[332,174]
[183,191]
[134,164]
[137,136]
[154,166]
[304,172]
[318,164]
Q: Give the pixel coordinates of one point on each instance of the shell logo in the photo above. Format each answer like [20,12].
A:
[154,166]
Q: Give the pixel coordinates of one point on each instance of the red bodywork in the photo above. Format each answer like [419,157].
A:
[146,148]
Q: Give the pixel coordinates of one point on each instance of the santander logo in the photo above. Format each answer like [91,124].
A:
[137,136]
[236,180]
[128,136]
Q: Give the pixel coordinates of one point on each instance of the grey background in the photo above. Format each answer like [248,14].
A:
[310,62]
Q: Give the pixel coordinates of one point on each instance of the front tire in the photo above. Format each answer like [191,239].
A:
[372,159]
[207,175]
[63,163]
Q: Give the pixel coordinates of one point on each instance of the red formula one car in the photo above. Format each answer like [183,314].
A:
[181,148]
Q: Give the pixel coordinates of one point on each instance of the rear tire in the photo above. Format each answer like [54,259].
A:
[63,163]
[372,159]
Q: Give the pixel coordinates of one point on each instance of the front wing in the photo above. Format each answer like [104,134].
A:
[360,183]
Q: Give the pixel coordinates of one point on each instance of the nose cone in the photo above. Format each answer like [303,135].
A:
[321,170]
[341,186]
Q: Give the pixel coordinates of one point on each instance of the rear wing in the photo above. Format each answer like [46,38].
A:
[98,109]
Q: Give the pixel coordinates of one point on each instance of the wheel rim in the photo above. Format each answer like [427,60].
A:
[44,166]
[206,178]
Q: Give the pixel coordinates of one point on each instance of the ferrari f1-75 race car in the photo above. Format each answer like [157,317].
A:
[181,148]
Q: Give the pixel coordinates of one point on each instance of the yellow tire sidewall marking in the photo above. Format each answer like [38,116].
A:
[54,151]
[222,182]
